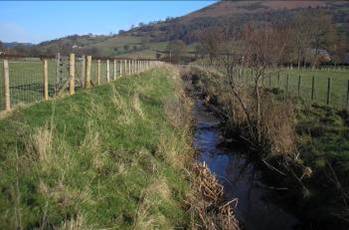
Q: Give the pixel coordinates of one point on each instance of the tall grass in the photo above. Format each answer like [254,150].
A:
[108,157]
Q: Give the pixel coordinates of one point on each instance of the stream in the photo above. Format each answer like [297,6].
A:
[239,177]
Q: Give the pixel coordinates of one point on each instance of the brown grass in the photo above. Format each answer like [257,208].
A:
[207,207]
[146,219]
[278,124]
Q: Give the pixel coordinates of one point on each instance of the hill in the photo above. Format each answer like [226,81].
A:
[13,44]
[144,40]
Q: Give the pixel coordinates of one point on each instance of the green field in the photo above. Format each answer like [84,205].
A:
[26,78]
[339,84]
[105,158]
[277,78]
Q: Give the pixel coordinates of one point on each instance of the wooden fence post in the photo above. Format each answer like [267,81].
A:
[120,66]
[299,85]
[72,74]
[45,88]
[114,69]
[133,67]
[7,86]
[313,88]
[125,67]
[98,72]
[348,96]
[129,67]
[58,72]
[287,78]
[328,100]
[108,71]
[88,72]
[83,71]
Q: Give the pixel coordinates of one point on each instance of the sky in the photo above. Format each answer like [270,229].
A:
[37,21]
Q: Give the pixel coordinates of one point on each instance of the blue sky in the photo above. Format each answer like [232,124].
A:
[36,21]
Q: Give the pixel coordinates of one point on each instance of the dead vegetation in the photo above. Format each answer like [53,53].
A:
[274,133]
[207,203]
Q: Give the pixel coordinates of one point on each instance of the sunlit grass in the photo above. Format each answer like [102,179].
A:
[98,159]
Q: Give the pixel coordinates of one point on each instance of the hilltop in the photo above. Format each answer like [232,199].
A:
[145,39]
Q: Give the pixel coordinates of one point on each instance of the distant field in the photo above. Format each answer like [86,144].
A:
[26,78]
[339,83]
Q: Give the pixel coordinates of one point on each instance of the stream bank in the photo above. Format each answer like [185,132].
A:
[239,176]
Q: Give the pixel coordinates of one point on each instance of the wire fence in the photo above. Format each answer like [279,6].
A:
[27,76]
[323,86]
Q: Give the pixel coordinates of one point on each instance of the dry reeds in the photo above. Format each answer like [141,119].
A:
[207,204]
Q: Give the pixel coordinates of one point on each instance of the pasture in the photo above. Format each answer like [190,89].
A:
[298,83]
[304,78]
[26,78]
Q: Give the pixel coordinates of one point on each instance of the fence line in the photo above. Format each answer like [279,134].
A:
[32,79]
[320,87]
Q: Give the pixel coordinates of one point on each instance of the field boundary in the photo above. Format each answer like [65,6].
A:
[314,89]
[26,80]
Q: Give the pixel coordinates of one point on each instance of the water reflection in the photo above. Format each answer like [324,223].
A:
[238,176]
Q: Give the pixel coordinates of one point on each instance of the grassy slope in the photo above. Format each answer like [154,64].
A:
[323,134]
[101,158]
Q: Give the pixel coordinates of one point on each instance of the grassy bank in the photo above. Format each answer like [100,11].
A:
[110,157]
[304,148]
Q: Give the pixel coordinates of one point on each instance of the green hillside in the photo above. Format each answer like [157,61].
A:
[144,40]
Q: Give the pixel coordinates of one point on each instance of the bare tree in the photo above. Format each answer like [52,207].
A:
[211,40]
[322,35]
[301,38]
[312,31]
[176,50]
[262,50]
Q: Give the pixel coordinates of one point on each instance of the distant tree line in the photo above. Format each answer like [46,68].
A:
[311,33]
[308,38]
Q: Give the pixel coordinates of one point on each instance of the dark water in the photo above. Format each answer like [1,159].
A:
[239,177]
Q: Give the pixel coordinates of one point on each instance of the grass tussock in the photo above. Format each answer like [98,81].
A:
[278,126]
